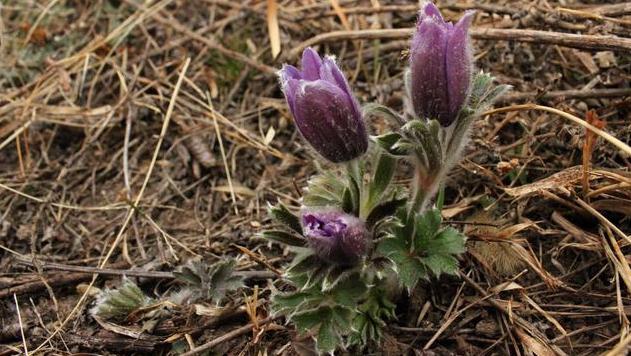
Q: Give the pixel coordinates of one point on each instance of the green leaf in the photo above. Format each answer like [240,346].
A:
[304,264]
[289,301]
[442,250]
[393,143]
[347,201]
[327,339]
[334,275]
[119,303]
[424,136]
[382,177]
[448,241]
[347,292]
[384,111]
[394,248]
[281,214]
[308,319]
[342,318]
[285,238]
[325,189]
[384,210]
[355,191]
[187,275]
[440,264]
[212,281]
[410,270]
[427,225]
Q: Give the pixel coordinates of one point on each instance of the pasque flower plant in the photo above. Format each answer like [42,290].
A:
[360,233]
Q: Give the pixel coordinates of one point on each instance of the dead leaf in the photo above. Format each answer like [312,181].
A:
[533,346]
[558,181]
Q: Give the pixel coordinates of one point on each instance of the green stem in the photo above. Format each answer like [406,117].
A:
[354,173]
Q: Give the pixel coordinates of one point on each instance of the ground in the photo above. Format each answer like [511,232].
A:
[142,135]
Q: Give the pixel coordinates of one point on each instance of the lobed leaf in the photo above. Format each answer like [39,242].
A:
[281,214]
[284,237]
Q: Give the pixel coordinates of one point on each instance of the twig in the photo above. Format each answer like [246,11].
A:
[228,336]
[114,343]
[592,42]
[566,94]
[133,273]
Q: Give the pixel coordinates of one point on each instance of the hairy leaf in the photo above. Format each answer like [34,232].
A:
[281,214]
[284,237]
[119,303]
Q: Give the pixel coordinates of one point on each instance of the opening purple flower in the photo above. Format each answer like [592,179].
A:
[335,236]
[441,65]
[325,111]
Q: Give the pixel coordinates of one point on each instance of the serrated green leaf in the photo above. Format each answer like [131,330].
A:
[284,237]
[281,214]
[342,318]
[439,264]
[304,265]
[119,303]
[289,301]
[334,275]
[188,276]
[348,291]
[325,189]
[394,248]
[427,225]
[410,270]
[210,281]
[327,339]
[307,320]
[484,92]
[448,241]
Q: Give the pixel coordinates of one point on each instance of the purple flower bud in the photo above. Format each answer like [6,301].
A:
[441,65]
[336,237]
[327,114]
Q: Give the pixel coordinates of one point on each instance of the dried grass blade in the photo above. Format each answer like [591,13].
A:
[272,27]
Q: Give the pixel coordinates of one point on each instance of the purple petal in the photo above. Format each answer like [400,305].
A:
[459,62]
[335,236]
[289,71]
[332,73]
[311,63]
[428,9]
[289,81]
[328,121]
[427,64]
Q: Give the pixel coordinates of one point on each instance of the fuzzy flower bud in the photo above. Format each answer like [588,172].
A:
[441,65]
[325,111]
[336,237]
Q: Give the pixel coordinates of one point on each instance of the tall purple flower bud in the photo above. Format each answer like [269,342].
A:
[335,236]
[441,65]
[327,114]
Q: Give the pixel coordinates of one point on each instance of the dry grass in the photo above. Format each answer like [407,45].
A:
[139,135]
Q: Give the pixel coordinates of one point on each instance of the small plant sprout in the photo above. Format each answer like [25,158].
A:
[361,238]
